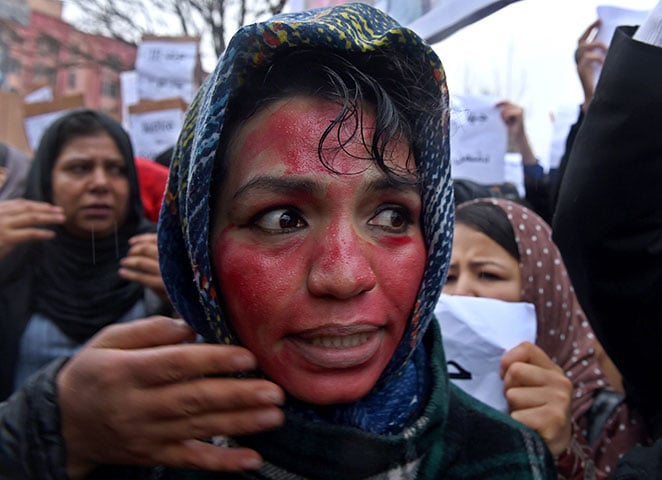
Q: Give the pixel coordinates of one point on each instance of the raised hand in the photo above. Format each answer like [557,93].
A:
[141,264]
[23,220]
[539,394]
[137,395]
[513,116]
[589,55]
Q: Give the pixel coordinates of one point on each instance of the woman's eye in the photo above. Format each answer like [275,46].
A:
[488,276]
[395,220]
[281,220]
[117,170]
[79,169]
[450,278]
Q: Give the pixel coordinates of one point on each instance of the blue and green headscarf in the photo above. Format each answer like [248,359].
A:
[185,222]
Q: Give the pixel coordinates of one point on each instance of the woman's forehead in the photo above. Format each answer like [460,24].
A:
[288,133]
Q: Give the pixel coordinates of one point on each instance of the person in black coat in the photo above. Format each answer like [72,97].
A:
[608,223]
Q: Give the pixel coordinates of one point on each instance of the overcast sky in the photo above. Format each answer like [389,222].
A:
[524,52]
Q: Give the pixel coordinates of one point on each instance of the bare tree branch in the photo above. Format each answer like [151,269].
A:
[213,20]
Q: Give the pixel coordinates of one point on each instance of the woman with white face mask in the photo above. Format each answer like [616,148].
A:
[504,251]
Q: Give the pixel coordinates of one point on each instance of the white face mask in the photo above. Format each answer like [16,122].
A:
[476,332]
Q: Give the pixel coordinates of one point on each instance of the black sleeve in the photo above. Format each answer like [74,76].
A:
[31,443]
[538,194]
[15,288]
[608,222]
[640,462]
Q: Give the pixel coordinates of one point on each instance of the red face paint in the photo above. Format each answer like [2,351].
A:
[319,271]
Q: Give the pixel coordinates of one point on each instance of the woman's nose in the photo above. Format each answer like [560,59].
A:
[341,267]
[99,178]
[465,286]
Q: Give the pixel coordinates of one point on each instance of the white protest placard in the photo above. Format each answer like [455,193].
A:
[37,124]
[611,17]
[478,139]
[168,57]
[166,67]
[39,115]
[155,126]
[159,88]
[42,94]
[476,332]
[514,172]
[565,117]
[129,89]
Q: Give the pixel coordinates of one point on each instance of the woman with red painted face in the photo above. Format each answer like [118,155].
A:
[76,253]
[305,235]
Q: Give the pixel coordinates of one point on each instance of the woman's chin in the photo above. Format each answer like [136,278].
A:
[331,391]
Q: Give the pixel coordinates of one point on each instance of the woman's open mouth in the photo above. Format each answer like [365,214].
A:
[98,211]
[342,350]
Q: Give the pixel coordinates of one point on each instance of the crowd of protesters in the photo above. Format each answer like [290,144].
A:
[279,322]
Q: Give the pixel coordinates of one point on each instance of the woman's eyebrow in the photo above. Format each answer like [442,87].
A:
[486,263]
[384,184]
[281,185]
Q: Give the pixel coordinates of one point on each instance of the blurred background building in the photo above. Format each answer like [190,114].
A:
[39,49]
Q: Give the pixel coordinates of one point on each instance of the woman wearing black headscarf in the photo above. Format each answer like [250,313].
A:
[76,252]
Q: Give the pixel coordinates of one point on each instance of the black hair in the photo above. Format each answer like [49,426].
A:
[75,124]
[491,220]
[398,89]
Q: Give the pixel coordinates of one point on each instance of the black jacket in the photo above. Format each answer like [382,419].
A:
[608,226]
[31,444]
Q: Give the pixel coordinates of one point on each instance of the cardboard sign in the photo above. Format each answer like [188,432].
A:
[478,139]
[476,332]
[12,131]
[39,115]
[129,89]
[155,125]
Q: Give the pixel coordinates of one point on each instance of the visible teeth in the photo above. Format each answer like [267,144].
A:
[346,341]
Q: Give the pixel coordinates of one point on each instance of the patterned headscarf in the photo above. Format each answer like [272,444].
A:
[563,330]
[185,223]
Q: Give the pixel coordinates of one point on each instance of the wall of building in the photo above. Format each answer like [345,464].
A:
[49,51]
